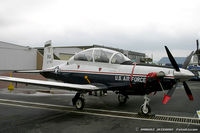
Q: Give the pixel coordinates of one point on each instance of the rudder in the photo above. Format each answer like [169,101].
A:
[48,56]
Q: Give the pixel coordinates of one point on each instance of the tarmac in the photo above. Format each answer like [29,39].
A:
[35,110]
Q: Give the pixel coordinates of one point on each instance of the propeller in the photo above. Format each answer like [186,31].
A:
[169,94]
[188,91]
[172,60]
[187,60]
[175,65]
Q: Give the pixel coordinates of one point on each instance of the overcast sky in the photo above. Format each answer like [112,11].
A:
[138,25]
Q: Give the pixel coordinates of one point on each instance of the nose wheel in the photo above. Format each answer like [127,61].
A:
[78,101]
[145,108]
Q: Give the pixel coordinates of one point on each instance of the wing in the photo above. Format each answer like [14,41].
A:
[35,71]
[58,85]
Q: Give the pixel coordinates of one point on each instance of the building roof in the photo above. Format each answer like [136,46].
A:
[165,60]
[6,45]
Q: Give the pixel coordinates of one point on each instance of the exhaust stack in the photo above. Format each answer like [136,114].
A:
[197,41]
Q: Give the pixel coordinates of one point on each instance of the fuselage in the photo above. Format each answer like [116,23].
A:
[129,78]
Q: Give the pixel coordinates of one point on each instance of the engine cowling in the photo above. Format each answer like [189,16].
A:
[156,74]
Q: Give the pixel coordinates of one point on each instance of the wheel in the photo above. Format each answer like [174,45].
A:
[146,110]
[122,99]
[80,103]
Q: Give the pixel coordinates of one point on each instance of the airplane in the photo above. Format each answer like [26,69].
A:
[101,69]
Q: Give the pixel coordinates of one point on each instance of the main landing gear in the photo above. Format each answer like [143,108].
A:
[145,108]
[122,98]
[79,101]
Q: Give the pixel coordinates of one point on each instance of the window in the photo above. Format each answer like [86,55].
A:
[84,56]
[101,55]
[119,58]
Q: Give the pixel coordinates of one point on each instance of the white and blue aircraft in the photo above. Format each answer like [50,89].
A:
[100,69]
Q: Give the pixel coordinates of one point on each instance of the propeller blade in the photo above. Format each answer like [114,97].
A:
[188,91]
[172,60]
[169,94]
[187,60]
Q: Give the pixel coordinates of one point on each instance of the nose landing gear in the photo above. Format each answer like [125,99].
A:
[122,98]
[145,108]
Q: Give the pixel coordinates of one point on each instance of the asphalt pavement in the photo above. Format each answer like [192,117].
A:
[23,119]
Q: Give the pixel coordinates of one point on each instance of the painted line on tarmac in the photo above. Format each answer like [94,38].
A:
[61,108]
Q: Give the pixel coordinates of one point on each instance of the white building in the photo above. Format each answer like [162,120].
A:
[15,57]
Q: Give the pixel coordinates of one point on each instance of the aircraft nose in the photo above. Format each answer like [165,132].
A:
[189,73]
[184,74]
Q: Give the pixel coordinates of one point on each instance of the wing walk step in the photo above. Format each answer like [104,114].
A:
[100,112]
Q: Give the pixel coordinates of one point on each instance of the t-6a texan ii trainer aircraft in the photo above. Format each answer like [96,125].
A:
[100,69]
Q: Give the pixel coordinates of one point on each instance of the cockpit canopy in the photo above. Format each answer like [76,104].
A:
[100,55]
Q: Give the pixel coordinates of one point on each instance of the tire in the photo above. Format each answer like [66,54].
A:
[145,111]
[79,103]
[122,99]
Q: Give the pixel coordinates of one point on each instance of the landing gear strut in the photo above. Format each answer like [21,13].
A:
[78,101]
[145,108]
[122,98]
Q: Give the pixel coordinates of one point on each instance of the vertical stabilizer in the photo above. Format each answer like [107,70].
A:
[48,56]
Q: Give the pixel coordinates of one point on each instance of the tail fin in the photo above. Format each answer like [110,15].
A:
[48,55]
